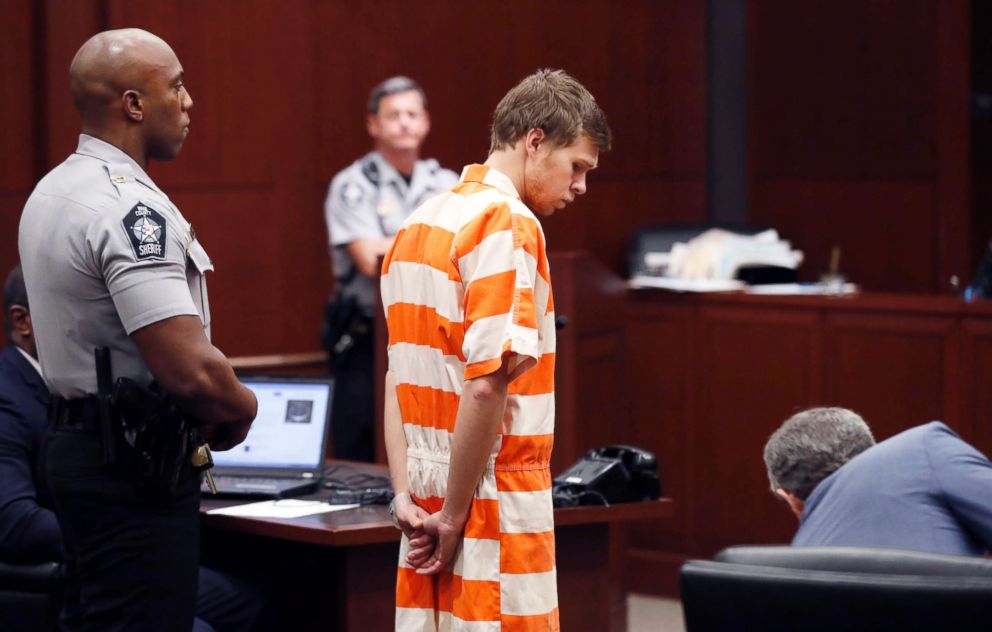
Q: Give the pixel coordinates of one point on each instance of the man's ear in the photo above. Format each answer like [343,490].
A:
[796,504]
[533,140]
[20,320]
[133,107]
[372,125]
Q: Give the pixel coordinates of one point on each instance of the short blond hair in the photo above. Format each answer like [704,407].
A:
[552,101]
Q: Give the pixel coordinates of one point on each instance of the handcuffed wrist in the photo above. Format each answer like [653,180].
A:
[399,500]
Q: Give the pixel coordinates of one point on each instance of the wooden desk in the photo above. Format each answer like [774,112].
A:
[347,560]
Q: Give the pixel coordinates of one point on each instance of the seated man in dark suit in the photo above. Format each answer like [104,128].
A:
[29,532]
[923,489]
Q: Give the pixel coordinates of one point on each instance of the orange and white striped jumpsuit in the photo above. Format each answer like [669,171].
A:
[466,287]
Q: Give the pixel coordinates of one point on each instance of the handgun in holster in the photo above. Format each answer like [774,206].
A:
[344,324]
[162,436]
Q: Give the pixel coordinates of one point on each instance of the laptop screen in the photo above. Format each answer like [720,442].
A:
[289,429]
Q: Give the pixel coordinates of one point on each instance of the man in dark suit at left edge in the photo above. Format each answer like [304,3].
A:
[29,533]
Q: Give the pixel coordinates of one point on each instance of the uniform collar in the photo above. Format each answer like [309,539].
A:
[388,173]
[485,174]
[123,163]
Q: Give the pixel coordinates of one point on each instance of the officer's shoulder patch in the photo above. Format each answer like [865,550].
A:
[352,194]
[146,230]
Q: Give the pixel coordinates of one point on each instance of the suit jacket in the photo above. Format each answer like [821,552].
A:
[923,490]
[29,531]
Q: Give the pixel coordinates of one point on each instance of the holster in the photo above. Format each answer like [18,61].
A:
[159,436]
[344,322]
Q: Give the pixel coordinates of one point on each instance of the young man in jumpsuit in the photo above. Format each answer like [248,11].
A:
[469,411]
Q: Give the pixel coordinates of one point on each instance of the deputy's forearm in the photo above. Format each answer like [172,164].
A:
[194,371]
[212,392]
[480,413]
[366,252]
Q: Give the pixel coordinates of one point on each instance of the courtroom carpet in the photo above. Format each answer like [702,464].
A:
[646,613]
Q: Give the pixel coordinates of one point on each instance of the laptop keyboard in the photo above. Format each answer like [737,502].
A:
[261,484]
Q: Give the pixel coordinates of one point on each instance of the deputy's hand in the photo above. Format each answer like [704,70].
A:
[448,532]
[223,436]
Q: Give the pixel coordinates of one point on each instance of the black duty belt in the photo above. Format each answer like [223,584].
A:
[79,415]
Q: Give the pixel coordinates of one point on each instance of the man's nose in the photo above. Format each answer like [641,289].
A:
[579,185]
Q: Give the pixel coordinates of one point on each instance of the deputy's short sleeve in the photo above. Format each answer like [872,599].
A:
[140,249]
[497,263]
[350,209]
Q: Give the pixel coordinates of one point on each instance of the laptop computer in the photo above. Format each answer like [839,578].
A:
[283,454]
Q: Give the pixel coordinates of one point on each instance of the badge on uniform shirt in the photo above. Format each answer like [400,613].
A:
[145,228]
[387,207]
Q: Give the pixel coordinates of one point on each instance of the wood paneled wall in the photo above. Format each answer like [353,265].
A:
[858,131]
[858,135]
[279,92]
[710,377]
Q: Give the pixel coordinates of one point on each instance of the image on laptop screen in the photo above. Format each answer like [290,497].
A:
[288,430]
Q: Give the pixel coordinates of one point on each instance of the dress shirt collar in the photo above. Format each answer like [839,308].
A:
[34,363]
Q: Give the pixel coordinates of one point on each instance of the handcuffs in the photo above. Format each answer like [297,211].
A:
[402,498]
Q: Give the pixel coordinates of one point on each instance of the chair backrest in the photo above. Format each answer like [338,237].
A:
[30,596]
[783,588]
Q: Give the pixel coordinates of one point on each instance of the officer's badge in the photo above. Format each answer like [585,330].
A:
[352,194]
[145,228]
[388,207]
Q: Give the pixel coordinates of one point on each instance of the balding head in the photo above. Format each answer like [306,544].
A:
[112,62]
[124,84]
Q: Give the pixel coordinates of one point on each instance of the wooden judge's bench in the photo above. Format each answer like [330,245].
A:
[702,380]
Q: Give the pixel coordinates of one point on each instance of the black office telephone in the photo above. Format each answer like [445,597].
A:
[607,475]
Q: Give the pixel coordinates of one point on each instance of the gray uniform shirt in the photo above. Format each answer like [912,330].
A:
[104,253]
[368,200]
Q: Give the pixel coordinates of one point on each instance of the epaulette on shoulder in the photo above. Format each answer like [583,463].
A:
[371,171]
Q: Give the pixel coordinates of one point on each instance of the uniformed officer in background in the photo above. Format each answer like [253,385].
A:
[110,262]
[366,204]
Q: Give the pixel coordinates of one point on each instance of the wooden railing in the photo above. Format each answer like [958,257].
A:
[306,362]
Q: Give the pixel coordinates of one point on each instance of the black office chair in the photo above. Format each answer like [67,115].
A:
[30,596]
[830,589]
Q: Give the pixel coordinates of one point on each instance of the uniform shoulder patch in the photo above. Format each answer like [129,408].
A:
[146,230]
[352,194]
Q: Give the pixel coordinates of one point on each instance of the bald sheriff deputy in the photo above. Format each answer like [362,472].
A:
[110,262]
